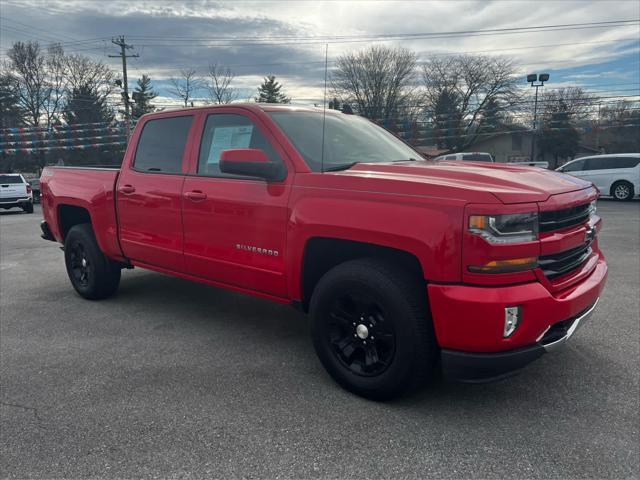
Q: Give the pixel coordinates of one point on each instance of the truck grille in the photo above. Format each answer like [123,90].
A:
[564,262]
[564,218]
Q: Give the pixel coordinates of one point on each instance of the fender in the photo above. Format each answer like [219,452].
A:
[428,229]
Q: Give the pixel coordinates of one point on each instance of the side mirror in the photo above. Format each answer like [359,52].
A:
[251,162]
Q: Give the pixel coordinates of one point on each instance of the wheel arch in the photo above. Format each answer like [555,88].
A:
[321,254]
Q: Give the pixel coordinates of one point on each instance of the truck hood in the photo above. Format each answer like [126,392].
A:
[508,183]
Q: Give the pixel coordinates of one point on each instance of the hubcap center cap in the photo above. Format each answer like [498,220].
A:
[84,262]
[362,331]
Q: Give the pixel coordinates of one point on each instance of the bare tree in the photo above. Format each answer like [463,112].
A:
[378,80]
[577,103]
[184,86]
[219,84]
[28,70]
[82,72]
[471,84]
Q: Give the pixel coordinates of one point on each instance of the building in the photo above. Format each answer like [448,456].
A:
[515,146]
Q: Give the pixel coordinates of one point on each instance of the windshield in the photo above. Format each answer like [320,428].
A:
[348,139]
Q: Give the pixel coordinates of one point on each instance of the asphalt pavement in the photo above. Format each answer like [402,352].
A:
[171,378]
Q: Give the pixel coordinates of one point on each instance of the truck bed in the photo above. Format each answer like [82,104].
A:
[86,191]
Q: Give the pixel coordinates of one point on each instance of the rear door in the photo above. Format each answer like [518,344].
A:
[12,187]
[149,193]
[599,171]
[235,226]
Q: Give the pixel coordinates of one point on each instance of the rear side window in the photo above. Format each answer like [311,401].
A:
[161,145]
[4,179]
[623,162]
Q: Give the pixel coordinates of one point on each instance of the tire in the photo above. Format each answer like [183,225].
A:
[92,274]
[354,302]
[622,191]
[28,208]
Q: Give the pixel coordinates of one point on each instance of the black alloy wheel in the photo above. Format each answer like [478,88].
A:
[362,338]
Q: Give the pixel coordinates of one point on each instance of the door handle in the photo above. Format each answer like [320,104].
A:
[127,189]
[196,196]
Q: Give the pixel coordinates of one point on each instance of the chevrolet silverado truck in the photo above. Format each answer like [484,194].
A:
[409,268]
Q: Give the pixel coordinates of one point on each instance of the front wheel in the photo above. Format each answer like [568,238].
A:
[92,274]
[622,191]
[372,330]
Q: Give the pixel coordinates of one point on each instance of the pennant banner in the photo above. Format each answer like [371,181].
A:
[15,151]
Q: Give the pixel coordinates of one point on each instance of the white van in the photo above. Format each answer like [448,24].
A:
[616,174]
[468,156]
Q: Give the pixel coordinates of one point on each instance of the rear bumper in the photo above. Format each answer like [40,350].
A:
[18,202]
[472,367]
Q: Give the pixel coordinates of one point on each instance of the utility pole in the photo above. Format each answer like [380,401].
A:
[119,41]
[534,77]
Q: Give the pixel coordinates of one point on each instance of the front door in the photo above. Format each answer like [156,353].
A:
[235,227]
[149,194]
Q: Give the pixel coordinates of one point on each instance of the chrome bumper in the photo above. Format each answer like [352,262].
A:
[550,347]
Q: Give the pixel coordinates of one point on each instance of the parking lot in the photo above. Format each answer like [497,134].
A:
[171,378]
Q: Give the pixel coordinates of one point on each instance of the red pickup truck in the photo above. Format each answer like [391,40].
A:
[407,267]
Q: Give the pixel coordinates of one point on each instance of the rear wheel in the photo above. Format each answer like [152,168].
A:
[92,274]
[372,330]
[622,190]
[28,208]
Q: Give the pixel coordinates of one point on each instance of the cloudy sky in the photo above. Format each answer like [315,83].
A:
[288,38]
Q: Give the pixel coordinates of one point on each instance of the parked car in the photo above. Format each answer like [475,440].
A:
[15,191]
[405,266]
[468,156]
[617,175]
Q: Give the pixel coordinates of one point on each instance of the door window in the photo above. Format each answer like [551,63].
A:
[226,131]
[162,144]
[574,166]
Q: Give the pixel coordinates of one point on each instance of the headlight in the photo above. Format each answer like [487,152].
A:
[509,228]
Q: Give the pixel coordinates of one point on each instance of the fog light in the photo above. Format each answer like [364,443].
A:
[512,316]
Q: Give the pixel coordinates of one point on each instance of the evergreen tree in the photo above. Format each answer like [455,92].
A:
[143,93]
[269,92]
[10,112]
[86,105]
[11,116]
[446,120]
[492,119]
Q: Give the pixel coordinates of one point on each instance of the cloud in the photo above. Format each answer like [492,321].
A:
[171,35]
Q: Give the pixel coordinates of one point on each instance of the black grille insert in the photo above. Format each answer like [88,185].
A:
[564,218]
[564,262]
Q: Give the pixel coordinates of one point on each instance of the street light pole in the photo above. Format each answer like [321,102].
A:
[533,78]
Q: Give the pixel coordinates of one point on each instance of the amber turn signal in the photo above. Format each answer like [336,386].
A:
[506,266]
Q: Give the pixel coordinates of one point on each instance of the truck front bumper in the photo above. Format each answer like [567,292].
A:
[469,323]
[472,367]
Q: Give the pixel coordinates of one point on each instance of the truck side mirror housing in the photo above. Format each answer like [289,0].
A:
[251,162]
